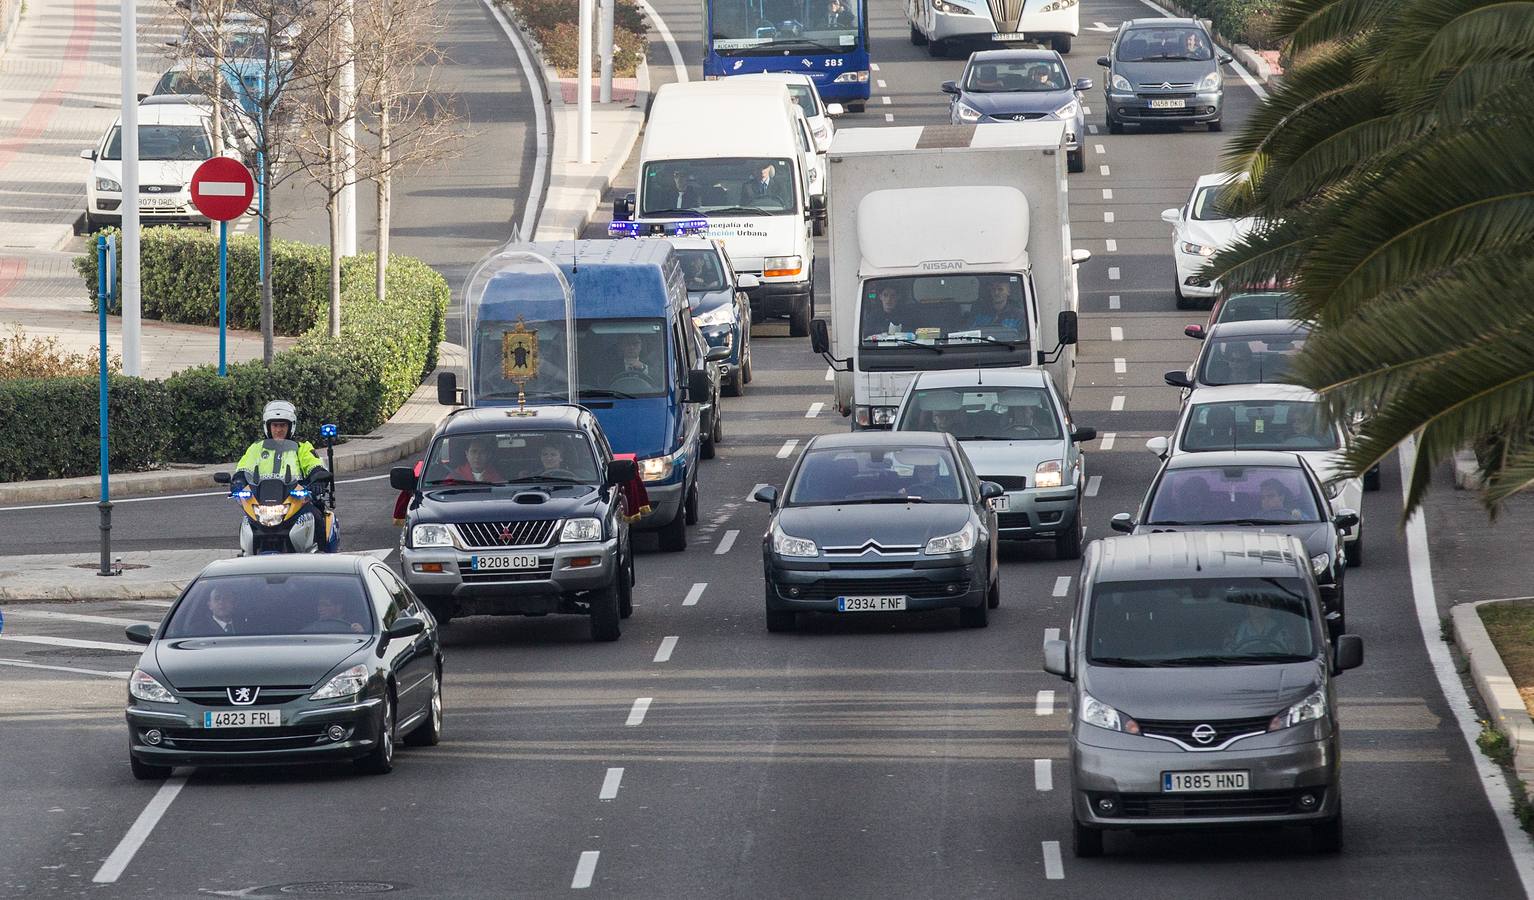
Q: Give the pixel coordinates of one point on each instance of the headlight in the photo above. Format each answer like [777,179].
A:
[350,682]
[1308,710]
[142,686]
[1319,564]
[1068,111]
[1047,475]
[431,536]
[581,530]
[968,113]
[1211,82]
[1095,712]
[952,9]
[1059,5]
[868,416]
[858,77]
[107,184]
[958,542]
[270,514]
[1120,83]
[1197,249]
[788,545]
[655,468]
[723,314]
[1334,488]
[774,266]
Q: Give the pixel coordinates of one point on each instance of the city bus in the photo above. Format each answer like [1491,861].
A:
[825,39]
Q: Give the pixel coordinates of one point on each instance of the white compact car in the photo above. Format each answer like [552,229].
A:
[1199,231]
[1282,417]
[817,112]
[173,139]
[941,24]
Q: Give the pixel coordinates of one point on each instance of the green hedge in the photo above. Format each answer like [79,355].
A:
[194,416]
[555,26]
[1243,21]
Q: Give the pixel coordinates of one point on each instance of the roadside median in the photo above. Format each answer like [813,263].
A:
[1497,639]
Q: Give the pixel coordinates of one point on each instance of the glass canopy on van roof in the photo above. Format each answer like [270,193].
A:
[519,316]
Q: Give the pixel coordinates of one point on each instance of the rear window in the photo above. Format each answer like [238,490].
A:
[876,475]
[1233,495]
[272,605]
[975,413]
[1200,622]
[1254,359]
[1293,425]
[1256,307]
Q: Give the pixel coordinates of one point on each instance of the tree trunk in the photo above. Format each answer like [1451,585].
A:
[385,186]
[268,342]
[333,208]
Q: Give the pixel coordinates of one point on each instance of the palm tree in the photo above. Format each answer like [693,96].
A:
[1396,167]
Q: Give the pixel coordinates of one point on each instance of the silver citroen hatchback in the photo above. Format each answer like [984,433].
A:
[1201,688]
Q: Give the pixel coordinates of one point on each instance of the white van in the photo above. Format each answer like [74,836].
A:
[739,155]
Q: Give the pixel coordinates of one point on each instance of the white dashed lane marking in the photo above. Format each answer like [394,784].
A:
[1043,777]
[1115,302]
[71,642]
[1103,170]
[1094,484]
[139,831]
[1112,245]
[610,784]
[886,100]
[889,117]
[1044,703]
[1108,218]
[1117,405]
[1100,149]
[1120,365]
[694,593]
[637,713]
[814,410]
[585,870]
[1115,333]
[1109,437]
[787,449]
[1113,273]
[1062,585]
[1107,193]
[1054,870]
[727,542]
[663,654]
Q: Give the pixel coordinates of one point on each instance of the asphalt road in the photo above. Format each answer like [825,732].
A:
[861,757]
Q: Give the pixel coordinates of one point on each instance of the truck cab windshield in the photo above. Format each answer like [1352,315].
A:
[739,186]
[973,311]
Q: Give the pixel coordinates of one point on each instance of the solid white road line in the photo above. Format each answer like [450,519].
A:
[672,49]
[139,831]
[1117,405]
[1100,148]
[163,604]
[727,542]
[544,134]
[1103,170]
[1107,193]
[1054,870]
[1115,302]
[1044,703]
[1051,634]
[165,497]
[814,410]
[1425,598]
[636,714]
[1112,245]
[1108,218]
[1094,484]
[71,642]
[1043,777]
[586,869]
[27,665]
[1108,437]
[610,784]
[667,644]
[1120,365]
[74,617]
[787,449]
[1062,585]
[694,593]
[1115,333]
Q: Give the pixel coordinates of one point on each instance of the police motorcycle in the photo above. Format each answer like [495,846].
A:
[287,514]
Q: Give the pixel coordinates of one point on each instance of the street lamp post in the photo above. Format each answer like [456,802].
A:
[605,35]
[583,84]
[348,199]
[130,218]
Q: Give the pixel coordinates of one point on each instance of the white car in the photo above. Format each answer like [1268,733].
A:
[173,140]
[1199,231]
[939,24]
[1282,417]
[816,111]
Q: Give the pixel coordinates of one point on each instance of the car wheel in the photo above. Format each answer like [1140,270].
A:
[718,421]
[974,616]
[857,106]
[917,38]
[429,732]
[442,610]
[147,771]
[937,49]
[993,593]
[1355,550]
[1327,837]
[706,448]
[1086,843]
[1216,125]
[1114,125]
[605,613]
[690,505]
[779,621]
[799,321]
[745,365]
[90,224]
[673,535]
[381,760]
[1372,479]
[626,588]
[1076,161]
[1062,44]
[1068,545]
[1183,300]
[736,386]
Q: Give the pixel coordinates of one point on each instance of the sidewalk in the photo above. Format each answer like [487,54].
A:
[576,190]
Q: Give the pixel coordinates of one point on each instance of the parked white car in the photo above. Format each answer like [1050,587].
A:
[1282,417]
[1199,231]
[817,113]
[173,139]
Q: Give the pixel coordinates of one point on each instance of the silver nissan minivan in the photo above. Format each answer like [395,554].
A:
[1201,688]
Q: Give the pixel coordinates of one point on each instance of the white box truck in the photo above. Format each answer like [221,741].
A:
[950,249]
[739,155]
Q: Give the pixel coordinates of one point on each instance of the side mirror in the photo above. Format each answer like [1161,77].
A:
[623,208]
[1194,331]
[1080,256]
[1083,84]
[140,634]
[447,389]
[88,153]
[142,97]
[1065,323]
[718,354]
[1083,434]
[1102,61]
[1158,446]
[402,478]
[699,387]
[1347,653]
[1057,658]
[820,336]
[747,282]
[222,477]
[766,494]
[817,205]
[1178,379]
[622,471]
[1170,216]
[835,109]
[990,490]
[1225,59]
[405,626]
[1346,519]
[950,87]
[1122,523]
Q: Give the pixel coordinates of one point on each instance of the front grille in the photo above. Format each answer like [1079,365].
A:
[1166,89]
[1148,113]
[212,740]
[159,189]
[1008,482]
[877,548]
[1194,806]
[1012,520]
[268,696]
[495,535]
[544,572]
[1224,729]
[1020,117]
[864,587]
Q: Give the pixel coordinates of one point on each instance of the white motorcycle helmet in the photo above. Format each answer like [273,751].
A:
[279,409]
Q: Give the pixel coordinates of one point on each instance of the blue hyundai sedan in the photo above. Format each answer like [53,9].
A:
[1017,86]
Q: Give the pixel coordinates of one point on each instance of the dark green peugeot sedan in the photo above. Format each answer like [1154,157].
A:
[274,660]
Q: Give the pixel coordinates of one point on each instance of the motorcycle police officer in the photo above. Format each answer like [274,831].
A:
[278,454]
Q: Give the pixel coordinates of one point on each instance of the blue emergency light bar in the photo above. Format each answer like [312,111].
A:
[329,431]
[678,228]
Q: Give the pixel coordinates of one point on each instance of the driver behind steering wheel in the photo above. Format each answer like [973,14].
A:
[1262,631]
[632,366]
[552,459]
[329,609]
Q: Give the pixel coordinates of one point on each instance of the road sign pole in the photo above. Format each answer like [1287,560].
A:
[105,506]
[223,297]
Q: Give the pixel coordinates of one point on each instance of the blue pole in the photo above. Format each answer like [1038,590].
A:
[223,296]
[105,506]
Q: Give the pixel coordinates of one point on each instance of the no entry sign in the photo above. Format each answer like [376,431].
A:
[222,189]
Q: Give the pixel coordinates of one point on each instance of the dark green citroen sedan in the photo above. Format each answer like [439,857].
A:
[284,659]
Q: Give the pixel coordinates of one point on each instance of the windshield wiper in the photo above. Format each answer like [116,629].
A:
[459,487]
[512,395]
[1125,662]
[801,42]
[739,210]
[1255,522]
[607,392]
[1231,659]
[907,341]
[540,479]
[890,500]
[1169,57]
[1010,345]
[671,212]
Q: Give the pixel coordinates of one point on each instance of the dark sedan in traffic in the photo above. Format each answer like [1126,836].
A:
[881,522]
[1019,86]
[1251,490]
[273,660]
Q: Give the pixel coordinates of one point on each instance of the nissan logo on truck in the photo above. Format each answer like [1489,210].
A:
[941,265]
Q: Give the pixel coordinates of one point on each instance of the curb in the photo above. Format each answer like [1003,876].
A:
[406,432]
[1467,476]
[144,590]
[8,29]
[1494,684]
